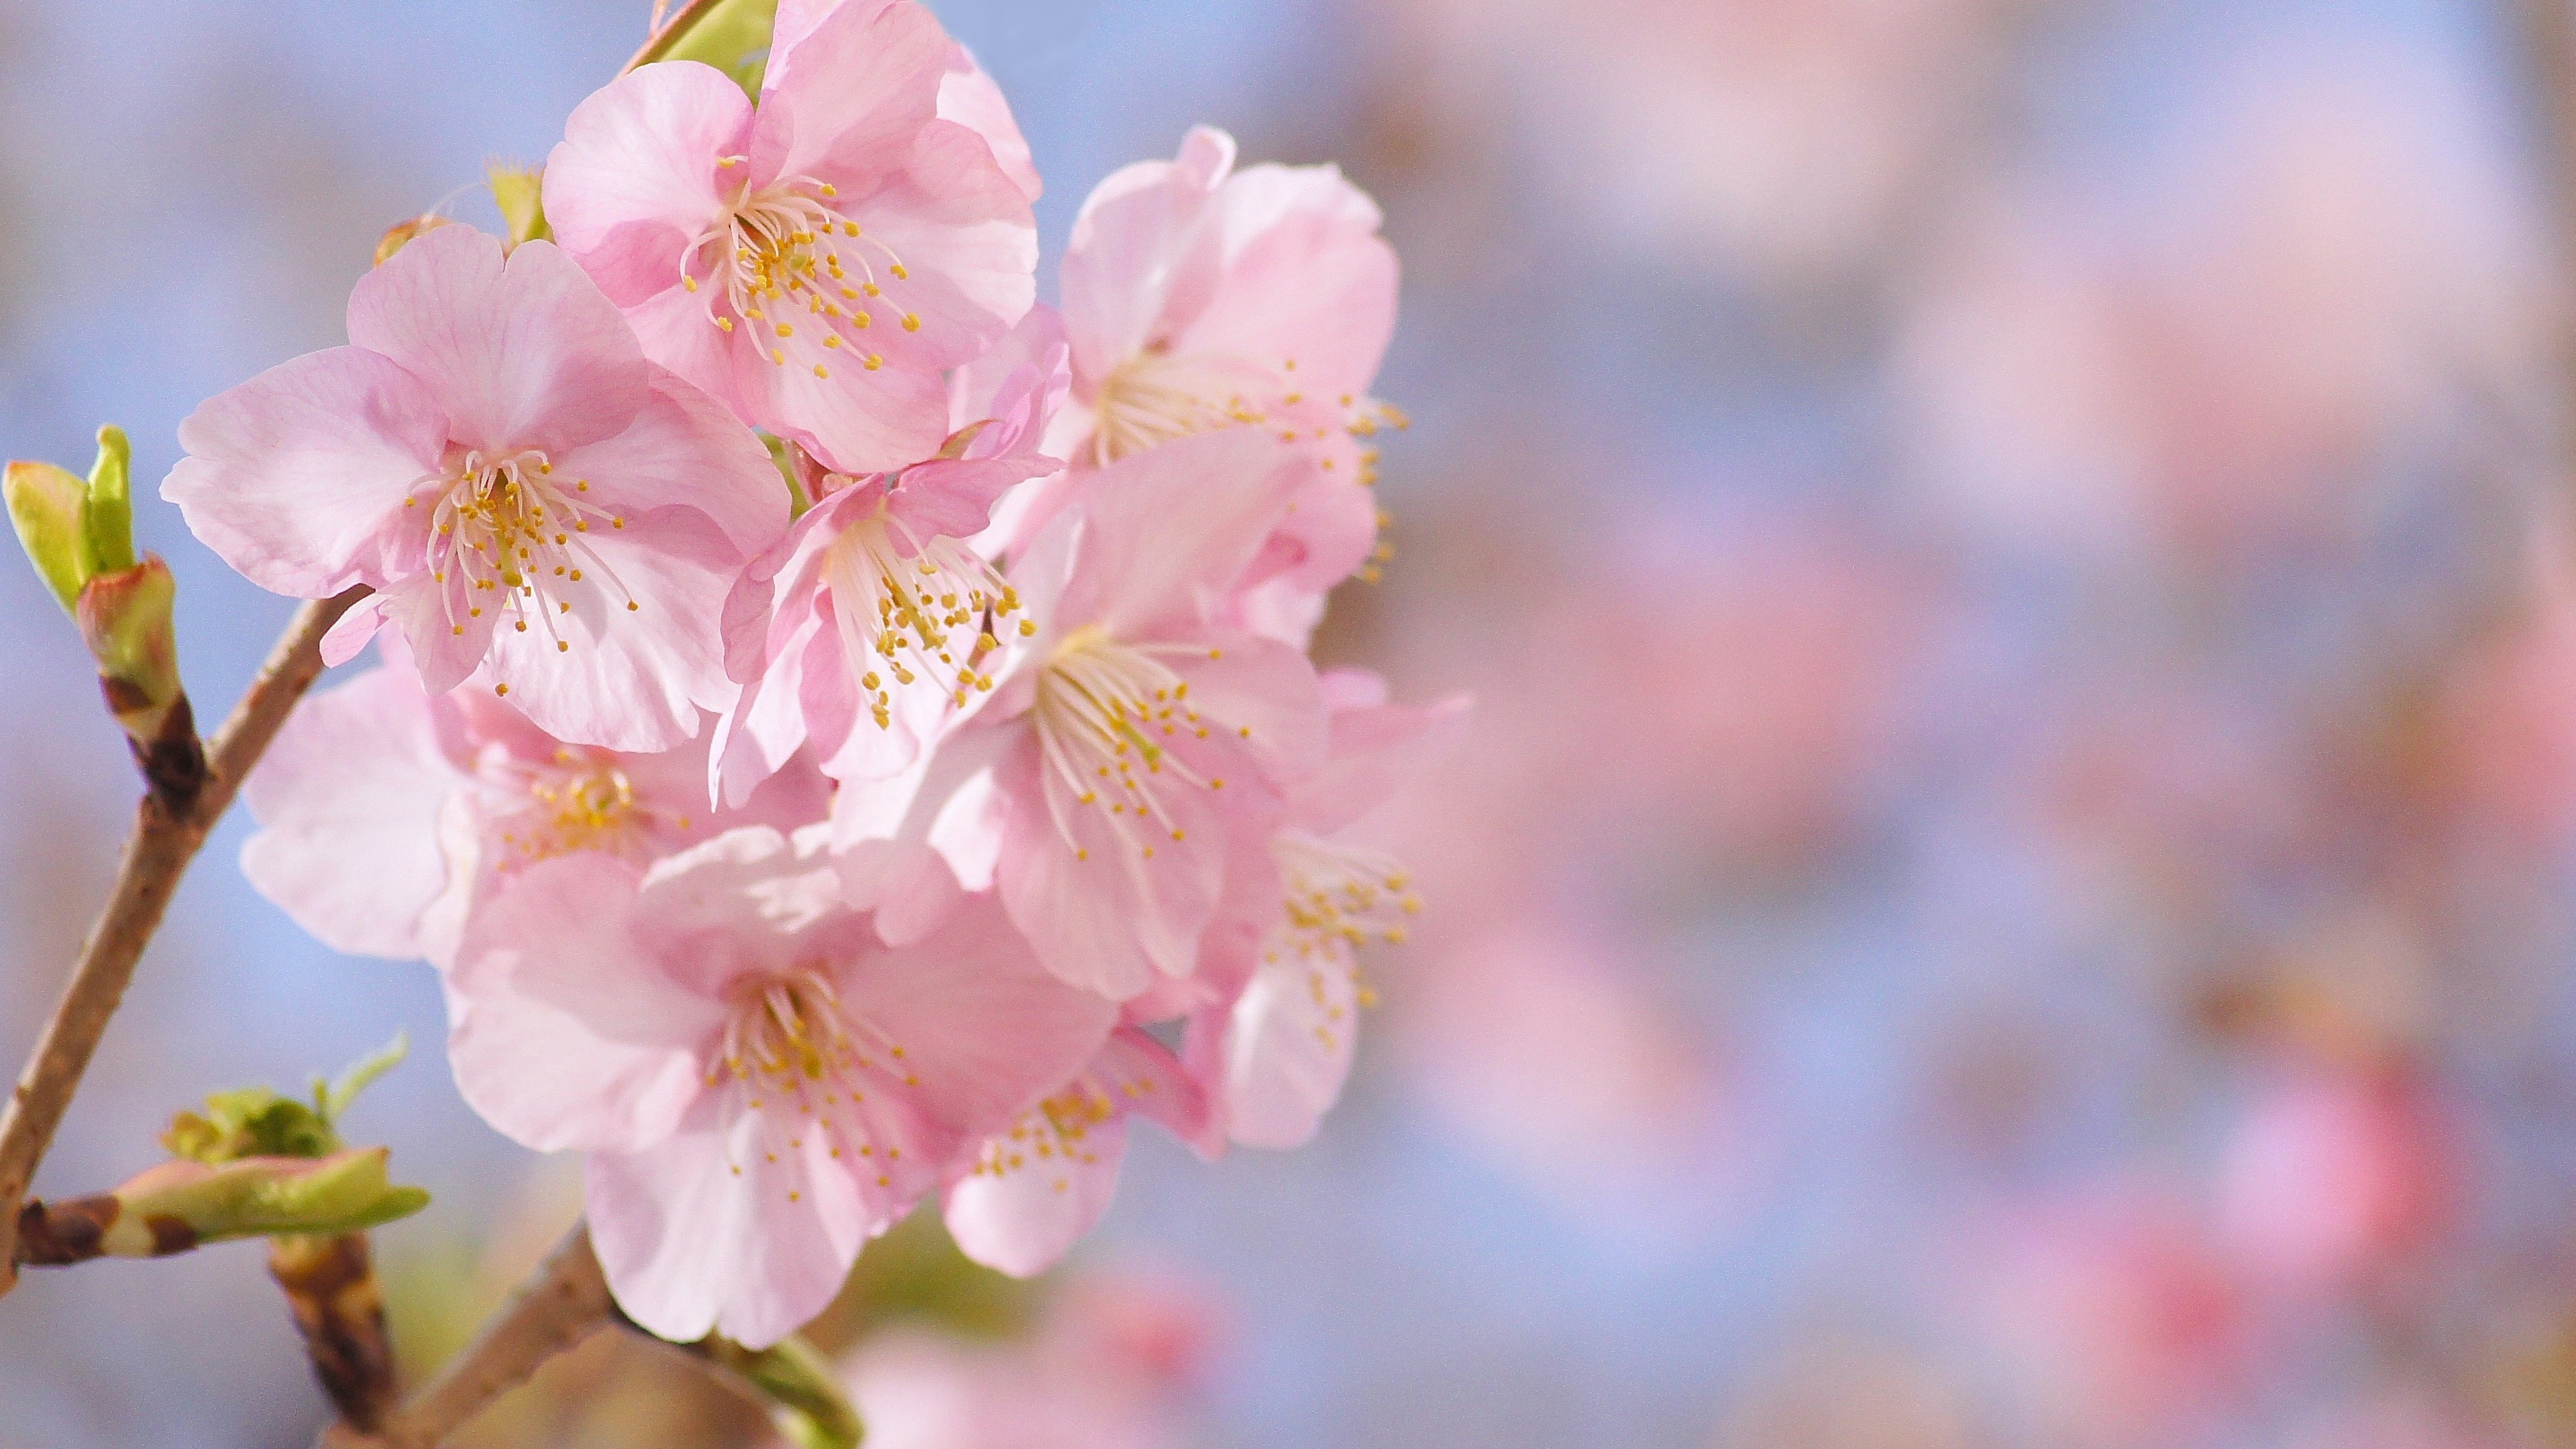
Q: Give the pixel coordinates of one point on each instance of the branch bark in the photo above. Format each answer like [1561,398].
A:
[565,1302]
[157,853]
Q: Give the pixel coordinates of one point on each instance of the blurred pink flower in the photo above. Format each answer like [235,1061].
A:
[2337,1176]
[816,262]
[1789,136]
[761,1083]
[493,446]
[2122,1316]
[2337,267]
[1114,1364]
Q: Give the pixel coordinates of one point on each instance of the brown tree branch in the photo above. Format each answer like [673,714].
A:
[156,854]
[565,1302]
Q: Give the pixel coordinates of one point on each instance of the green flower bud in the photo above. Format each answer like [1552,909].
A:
[177,1206]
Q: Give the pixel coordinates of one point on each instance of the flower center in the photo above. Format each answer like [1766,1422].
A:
[808,1067]
[584,800]
[1339,896]
[1158,395]
[504,535]
[1051,1135]
[800,277]
[910,608]
[1108,715]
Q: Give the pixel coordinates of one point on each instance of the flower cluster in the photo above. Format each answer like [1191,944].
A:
[845,731]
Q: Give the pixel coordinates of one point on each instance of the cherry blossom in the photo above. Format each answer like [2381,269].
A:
[874,620]
[386,813]
[536,506]
[761,1083]
[1100,784]
[819,261]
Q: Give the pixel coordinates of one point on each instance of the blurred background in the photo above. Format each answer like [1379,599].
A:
[2014,879]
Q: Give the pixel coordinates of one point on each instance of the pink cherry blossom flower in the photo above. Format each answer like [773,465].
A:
[968,95]
[1019,1199]
[1196,298]
[386,813]
[873,620]
[1286,1039]
[1132,741]
[819,261]
[761,1083]
[1114,1363]
[2337,1178]
[535,505]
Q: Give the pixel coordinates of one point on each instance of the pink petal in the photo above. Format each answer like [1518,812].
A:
[355,629]
[522,352]
[1373,751]
[1306,278]
[969,247]
[856,421]
[635,179]
[856,90]
[971,98]
[1137,256]
[565,1034]
[1288,1049]
[297,477]
[1023,1221]
[1170,530]
[348,803]
[1266,692]
[715,1230]
[632,679]
[1099,912]
[983,1027]
[686,449]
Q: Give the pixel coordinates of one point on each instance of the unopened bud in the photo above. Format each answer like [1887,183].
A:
[402,233]
[520,193]
[108,518]
[181,1205]
[125,618]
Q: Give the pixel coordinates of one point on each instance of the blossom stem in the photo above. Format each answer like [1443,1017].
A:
[164,840]
[564,1302]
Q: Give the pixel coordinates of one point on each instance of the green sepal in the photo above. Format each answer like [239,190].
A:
[520,192]
[805,1399]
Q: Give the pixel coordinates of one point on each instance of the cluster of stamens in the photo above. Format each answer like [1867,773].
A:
[786,259]
[582,800]
[1056,1135]
[790,1044]
[1338,898]
[1107,716]
[936,613]
[505,535]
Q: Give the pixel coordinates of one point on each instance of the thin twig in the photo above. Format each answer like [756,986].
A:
[156,854]
[564,1303]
